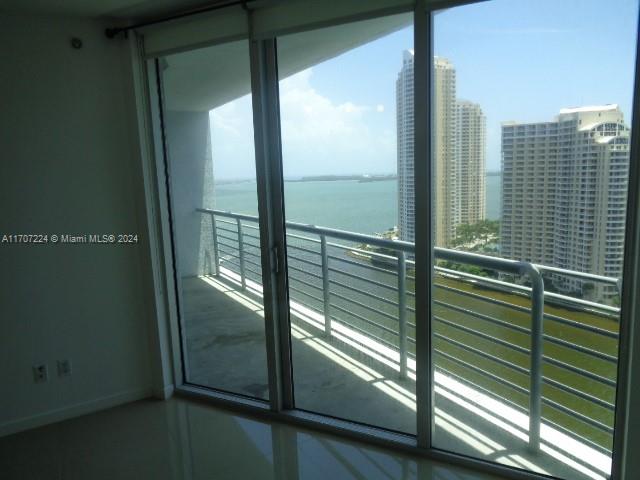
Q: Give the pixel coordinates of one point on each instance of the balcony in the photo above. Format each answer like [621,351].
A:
[514,364]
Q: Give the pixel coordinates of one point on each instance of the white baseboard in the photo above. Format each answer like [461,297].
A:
[53,416]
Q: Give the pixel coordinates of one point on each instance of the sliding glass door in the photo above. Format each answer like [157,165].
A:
[208,126]
[345,110]
[428,244]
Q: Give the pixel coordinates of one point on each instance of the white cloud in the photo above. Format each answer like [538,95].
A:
[322,136]
[318,135]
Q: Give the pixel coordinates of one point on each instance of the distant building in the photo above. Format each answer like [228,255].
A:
[404,125]
[470,162]
[564,192]
[459,154]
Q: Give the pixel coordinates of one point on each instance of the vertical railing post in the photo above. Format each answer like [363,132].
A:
[535,388]
[243,278]
[402,312]
[216,252]
[325,285]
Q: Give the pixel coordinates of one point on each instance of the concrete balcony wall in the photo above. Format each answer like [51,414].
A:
[191,173]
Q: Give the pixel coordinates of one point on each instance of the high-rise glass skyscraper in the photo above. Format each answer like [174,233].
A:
[458,154]
[564,191]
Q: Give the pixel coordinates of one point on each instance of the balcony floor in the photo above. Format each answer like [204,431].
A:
[358,381]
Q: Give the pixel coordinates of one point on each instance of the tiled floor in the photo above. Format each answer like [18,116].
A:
[183,439]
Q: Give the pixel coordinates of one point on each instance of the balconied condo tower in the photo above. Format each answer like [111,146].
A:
[564,186]
[404,124]
[459,154]
[470,162]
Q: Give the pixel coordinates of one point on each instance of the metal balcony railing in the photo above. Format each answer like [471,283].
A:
[551,356]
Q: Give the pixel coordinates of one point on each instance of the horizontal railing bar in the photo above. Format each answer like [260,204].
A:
[256,253]
[579,371]
[364,319]
[228,253]
[363,292]
[486,336]
[363,252]
[226,222]
[363,265]
[578,415]
[231,262]
[250,225]
[291,287]
[457,256]
[232,239]
[579,348]
[357,277]
[365,306]
[253,271]
[494,263]
[486,355]
[365,333]
[352,237]
[251,262]
[493,377]
[483,298]
[221,229]
[304,282]
[220,213]
[520,308]
[484,389]
[579,393]
[232,247]
[302,249]
[248,235]
[486,280]
[580,438]
[512,286]
[304,260]
[585,303]
[300,237]
[306,272]
[583,275]
[582,326]
[482,316]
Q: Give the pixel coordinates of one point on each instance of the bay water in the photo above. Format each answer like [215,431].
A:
[363,207]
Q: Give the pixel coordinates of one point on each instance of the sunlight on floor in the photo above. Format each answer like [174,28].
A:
[309,329]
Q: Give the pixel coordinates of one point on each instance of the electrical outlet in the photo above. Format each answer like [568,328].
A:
[40,373]
[64,367]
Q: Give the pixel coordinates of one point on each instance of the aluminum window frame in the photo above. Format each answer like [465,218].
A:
[265,101]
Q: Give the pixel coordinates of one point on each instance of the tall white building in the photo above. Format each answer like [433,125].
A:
[458,148]
[404,125]
[564,190]
[470,162]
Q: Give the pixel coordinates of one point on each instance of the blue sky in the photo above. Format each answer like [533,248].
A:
[519,59]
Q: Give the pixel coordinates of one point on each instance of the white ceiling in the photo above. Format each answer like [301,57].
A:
[134,9]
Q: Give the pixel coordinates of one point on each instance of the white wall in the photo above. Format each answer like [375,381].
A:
[68,165]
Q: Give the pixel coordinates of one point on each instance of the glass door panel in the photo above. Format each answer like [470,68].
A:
[208,126]
[531,126]
[346,108]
